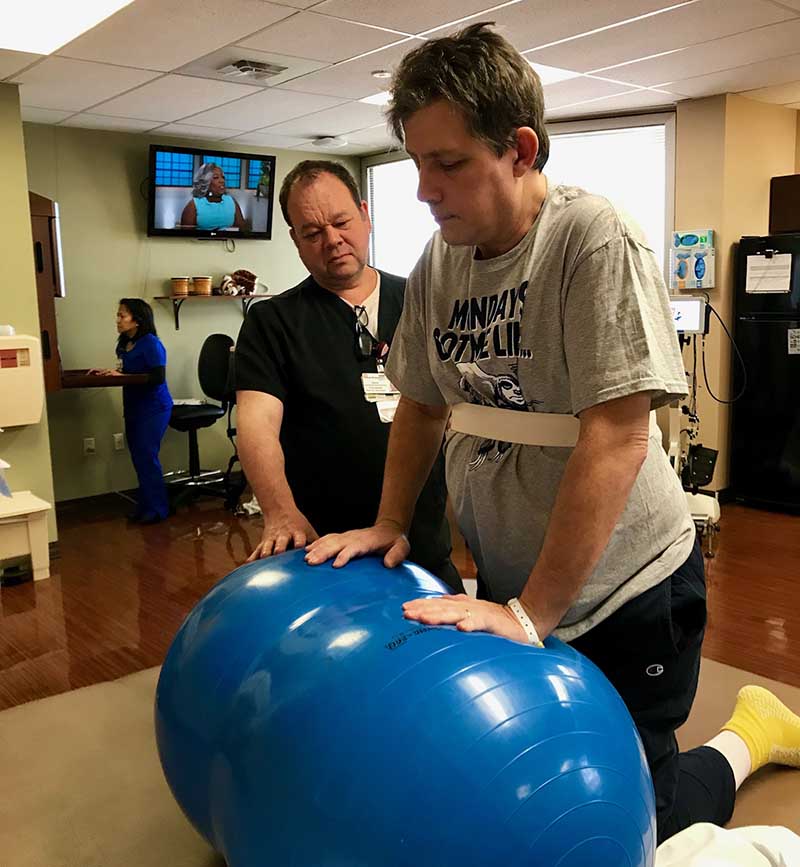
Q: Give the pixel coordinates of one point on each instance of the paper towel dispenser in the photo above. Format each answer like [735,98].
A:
[21,381]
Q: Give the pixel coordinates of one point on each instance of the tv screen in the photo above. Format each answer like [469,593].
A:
[209,194]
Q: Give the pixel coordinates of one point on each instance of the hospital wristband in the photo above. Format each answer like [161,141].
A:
[525,622]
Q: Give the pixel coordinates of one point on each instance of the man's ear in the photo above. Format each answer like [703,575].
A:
[527,150]
[365,214]
[293,236]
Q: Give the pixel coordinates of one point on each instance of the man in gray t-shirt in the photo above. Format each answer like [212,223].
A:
[538,316]
[574,316]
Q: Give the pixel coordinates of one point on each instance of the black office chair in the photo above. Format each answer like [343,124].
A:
[214,370]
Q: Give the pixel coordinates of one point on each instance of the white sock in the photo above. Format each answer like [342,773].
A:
[736,753]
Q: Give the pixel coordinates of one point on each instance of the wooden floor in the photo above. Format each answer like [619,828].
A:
[119,592]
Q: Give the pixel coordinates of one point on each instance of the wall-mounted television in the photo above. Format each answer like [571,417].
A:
[203,193]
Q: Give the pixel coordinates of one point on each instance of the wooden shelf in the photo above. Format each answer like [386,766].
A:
[177,301]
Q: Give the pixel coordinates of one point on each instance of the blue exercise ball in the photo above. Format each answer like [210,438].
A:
[303,722]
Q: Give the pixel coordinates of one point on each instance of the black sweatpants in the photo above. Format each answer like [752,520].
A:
[650,651]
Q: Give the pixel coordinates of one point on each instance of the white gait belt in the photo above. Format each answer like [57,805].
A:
[527,428]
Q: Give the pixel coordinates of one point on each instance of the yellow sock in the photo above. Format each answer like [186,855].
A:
[770,730]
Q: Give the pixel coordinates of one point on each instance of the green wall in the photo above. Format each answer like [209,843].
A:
[26,448]
[97,177]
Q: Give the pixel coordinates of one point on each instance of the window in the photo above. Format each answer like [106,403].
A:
[255,170]
[628,160]
[401,224]
[231,166]
[173,169]
[629,163]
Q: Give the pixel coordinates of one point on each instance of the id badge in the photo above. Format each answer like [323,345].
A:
[377,386]
[379,391]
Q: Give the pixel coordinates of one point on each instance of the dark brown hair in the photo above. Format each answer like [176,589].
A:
[482,75]
[310,170]
[142,314]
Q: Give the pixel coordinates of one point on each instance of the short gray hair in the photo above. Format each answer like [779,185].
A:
[484,77]
[202,179]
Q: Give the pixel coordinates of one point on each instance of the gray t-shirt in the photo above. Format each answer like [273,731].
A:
[575,315]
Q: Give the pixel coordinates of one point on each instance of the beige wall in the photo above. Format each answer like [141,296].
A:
[97,177]
[797,146]
[727,149]
[26,448]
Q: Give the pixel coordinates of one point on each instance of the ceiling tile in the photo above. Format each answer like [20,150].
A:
[172,97]
[333,121]
[318,37]
[406,17]
[210,65]
[352,150]
[579,90]
[12,62]
[263,109]
[165,34]
[74,84]
[533,22]
[781,70]
[633,100]
[97,121]
[377,136]
[270,140]
[753,46]
[42,115]
[679,28]
[298,4]
[187,130]
[352,79]
[781,94]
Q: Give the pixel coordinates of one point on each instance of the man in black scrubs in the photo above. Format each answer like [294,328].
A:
[313,410]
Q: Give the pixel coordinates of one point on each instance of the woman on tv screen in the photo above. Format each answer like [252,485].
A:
[211,207]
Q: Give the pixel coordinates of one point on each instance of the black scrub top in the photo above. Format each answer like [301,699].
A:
[301,348]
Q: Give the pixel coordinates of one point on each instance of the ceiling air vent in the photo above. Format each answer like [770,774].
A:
[329,141]
[255,69]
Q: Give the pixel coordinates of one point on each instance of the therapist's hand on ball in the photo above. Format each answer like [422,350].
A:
[466,614]
[281,532]
[384,538]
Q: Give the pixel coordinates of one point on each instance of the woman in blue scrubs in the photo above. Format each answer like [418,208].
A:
[147,407]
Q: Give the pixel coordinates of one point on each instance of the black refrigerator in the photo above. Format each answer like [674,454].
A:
[765,453]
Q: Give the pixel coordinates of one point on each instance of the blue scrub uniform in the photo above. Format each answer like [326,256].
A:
[147,412]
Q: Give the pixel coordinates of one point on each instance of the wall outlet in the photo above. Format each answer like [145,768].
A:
[119,442]
[89,446]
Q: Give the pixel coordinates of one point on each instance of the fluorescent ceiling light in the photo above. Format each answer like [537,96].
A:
[381,98]
[42,26]
[552,74]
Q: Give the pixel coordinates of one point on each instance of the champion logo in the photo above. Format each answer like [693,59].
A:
[654,670]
